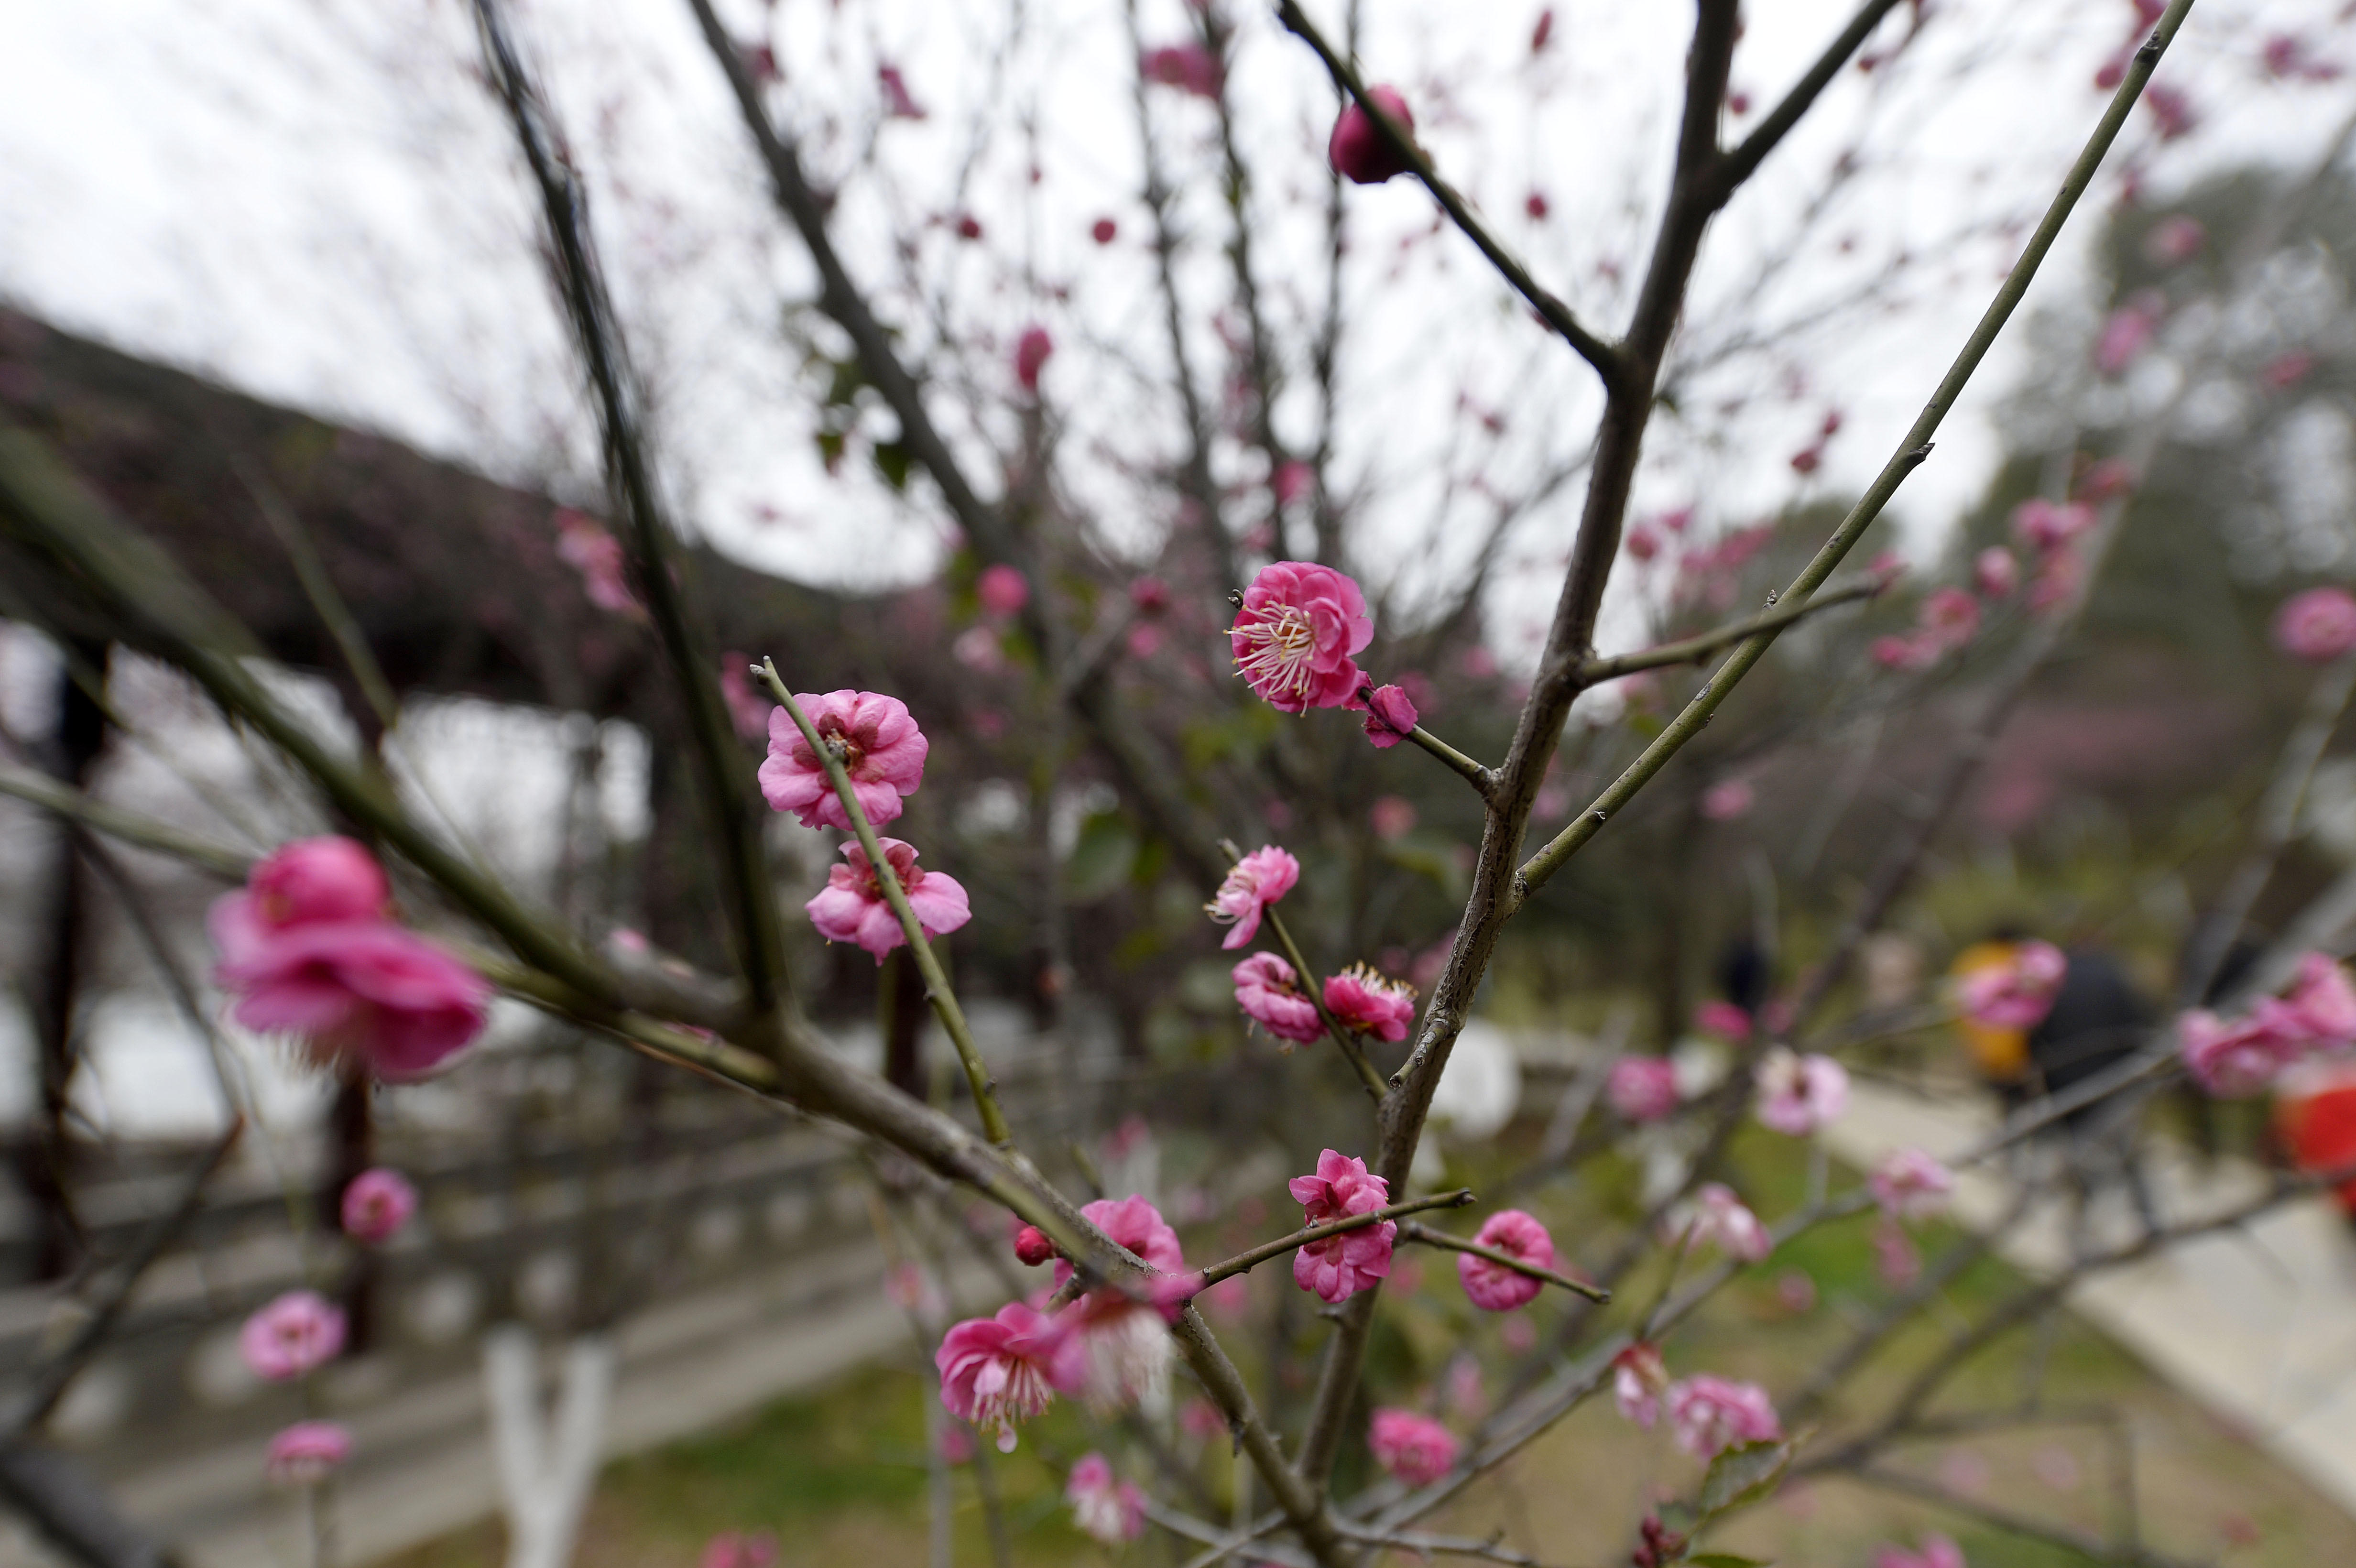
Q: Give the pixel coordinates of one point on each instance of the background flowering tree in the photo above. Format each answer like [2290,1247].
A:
[1088,663]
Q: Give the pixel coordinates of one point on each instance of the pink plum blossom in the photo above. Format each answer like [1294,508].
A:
[1149,596]
[1340,1266]
[1190,67]
[294,1335]
[2174,240]
[2058,577]
[2286,371]
[1291,481]
[1357,148]
[1951,617]
[1895,1256]
[1933,1551]
[1723,1220]
[1798,1094]
[377,1204]
[998,1371]
[2318,626]
[2324,1001]
[305,1454]
[1030,352]
[2130,328]
[1493,1287]
[311,881]
[754,1548]
[1269,994]
[1995,572]
[1722,1020]
[2233,1061]
[852,906]
[1002,591]
[2044,526]
[1639,1380]
[1415,1448]
[1371,1002]
[1137,1224]
[1712,1415]
[1727,799]
[1106,1510]
[1641,1088]
[1907,654]
[1253,884]
[582,544]
[883,751]
[2111,479]
[1911,1185]
[2017,993]
[1391,816]
[1390,716]
[1296,638]
[361,990]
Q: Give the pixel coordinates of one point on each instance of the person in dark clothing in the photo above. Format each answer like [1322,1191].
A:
[2098,1018]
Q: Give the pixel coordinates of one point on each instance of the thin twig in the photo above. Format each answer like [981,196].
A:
[1609,360]
[1344,1039]
[334,611]
[1244,1262]
[1431,1238]
[145,832]
[1694,649]
[937,982]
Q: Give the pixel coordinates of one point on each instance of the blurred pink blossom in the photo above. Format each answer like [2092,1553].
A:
[1358,149]
[1391,816]
[1190,67]
[2174,240]
[1894,1257]
[295,1334]
[1951,617]
[1415,1448]
[2129,329]
[1712,1415]
[1911,1185]
[1722,1020]
[1723,1220]
[2234,1060]
[1641,1088]
[2286,371]
[582,544]
[377,1204]
[1002,591]
[1727,799]
[1104,230]
[898,103]
[2044,524]
[748,714]
[305,1454]
[1293,480]
[1798,1094]
[1639,1380]
[1932,1552]
[2017,992]
[996,1371]
[1996,571]
[1105,1510]
[2318,626]
[1030,352]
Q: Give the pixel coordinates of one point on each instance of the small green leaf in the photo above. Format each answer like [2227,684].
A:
[829,449]
[1724,1560]
[843,386]
[1741,1476]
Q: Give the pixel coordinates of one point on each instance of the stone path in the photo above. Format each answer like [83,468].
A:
[2258,1323]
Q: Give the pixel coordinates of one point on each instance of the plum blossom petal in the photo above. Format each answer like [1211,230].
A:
[295,1334]
[1493,1287]
[1641,1088]
[1339,1266]
[1712,1415]
[1415,1448]
[305,1454]
[377,1204]
[1253,884]
[1269,994]
[352,990]
[852,906]
[996,1371]
[1296,637]
[883,751]
[1366,999]
[1357,148]
[1798,1094]
[1639,1380]
[1723,1220]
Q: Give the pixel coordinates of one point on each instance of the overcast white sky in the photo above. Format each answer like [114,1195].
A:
[311,200]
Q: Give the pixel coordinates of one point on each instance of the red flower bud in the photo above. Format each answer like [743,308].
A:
[1033,1247]
[1358,149]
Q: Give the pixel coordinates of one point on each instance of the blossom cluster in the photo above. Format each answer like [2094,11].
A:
[882,751]
[2240,1057]
[1707,1414]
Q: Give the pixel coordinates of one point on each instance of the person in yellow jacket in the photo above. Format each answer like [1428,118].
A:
[2001,1055]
